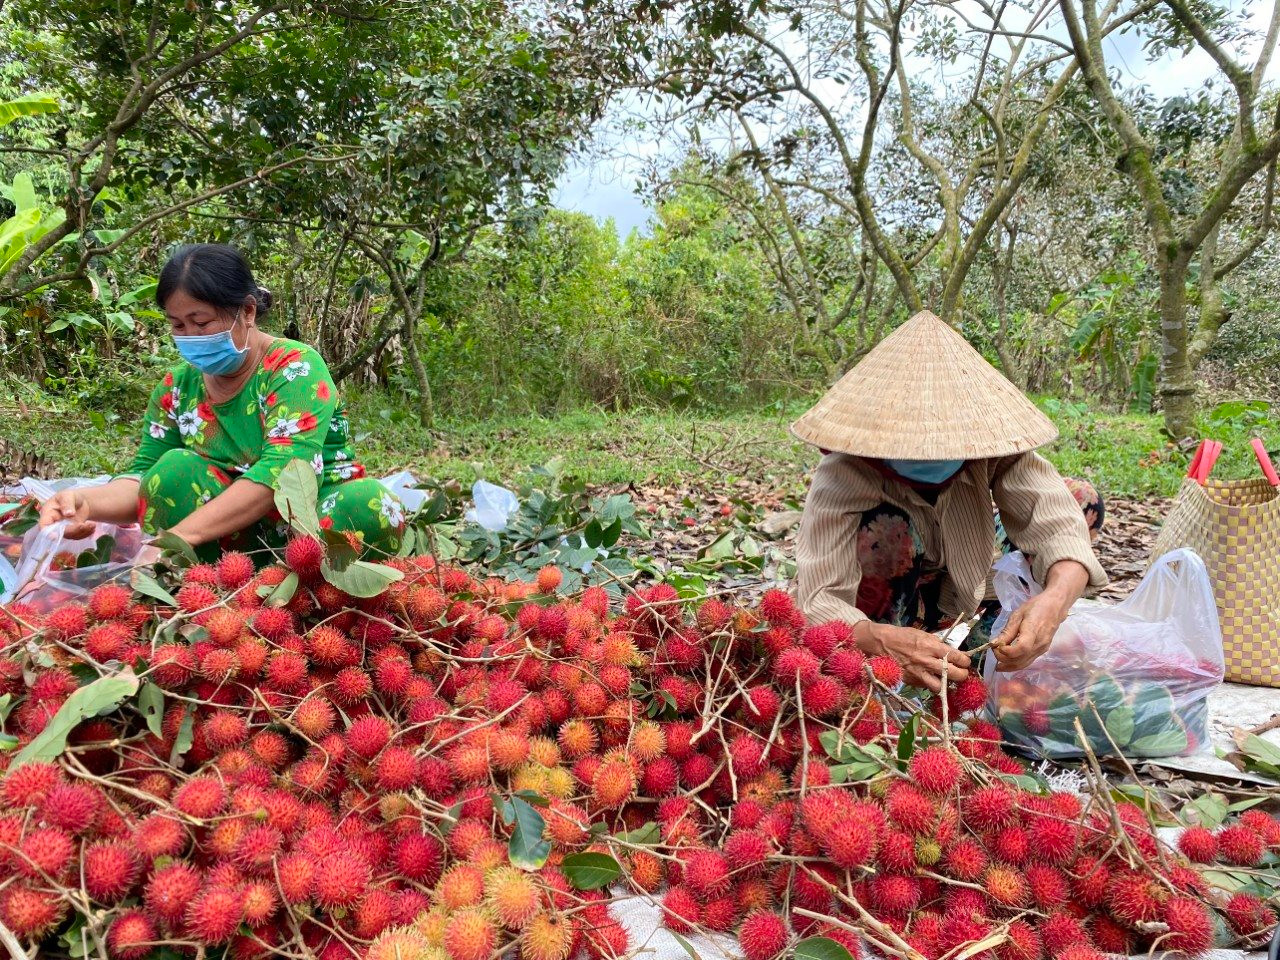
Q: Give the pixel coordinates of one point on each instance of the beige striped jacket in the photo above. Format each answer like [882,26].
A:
[1038,512]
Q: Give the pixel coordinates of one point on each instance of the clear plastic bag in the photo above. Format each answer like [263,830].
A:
[1136,676]
[49,571]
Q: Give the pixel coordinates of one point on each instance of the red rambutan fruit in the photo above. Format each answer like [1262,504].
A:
[27,785]
[201,797]
[935,770]
[215,913]
[1198,845]
[1007,887]
[990,807]
[1248,915]
[764,935]
[1190,926]
[30,914]
[1010,844]
[681,909]
[886,670]
[1134,898]
[470,935]
[234,570]
[893,895]
[74,807]
[45,851]
[1240,846]
[910,810]
[132,935]
[341,880]
[110,870]
[303,555]
[1060,931]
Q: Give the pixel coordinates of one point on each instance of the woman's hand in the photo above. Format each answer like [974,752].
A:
[1029,631]
[921,654]
[69,505]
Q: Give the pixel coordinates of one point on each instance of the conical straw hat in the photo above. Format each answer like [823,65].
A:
[924,394]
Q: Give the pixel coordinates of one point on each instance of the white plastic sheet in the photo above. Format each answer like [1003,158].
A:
[494,506]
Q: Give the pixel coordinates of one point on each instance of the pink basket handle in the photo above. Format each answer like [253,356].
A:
[1206,461]
[1264,461]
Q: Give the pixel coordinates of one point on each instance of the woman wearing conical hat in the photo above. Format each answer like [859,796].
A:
[920,440]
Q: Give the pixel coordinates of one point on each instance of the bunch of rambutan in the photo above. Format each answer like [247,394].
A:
[333,776]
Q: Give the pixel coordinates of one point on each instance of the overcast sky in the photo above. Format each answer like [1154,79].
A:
[601,182]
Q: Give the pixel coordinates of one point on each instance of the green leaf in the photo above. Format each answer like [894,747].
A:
[151,703]
[820,948]
[1264,750]
[526,849]
[296,491]
[590,871]
[185,738]
[361,578]
[281,593]
[688,947]
[855,772]
[843,749]
[642,836]
[611,534]
[149,586]
[907,741]
[1119,724]
[91,700]
[6,704]
[29,105]
[1166,744]
[1210,810]
[169,542]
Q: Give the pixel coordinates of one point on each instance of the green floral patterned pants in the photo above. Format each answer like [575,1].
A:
[182,480]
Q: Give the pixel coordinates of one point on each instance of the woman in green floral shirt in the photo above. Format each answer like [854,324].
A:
[222,425]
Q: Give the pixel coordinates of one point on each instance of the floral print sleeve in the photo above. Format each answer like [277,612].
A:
[296,402]
[160,427]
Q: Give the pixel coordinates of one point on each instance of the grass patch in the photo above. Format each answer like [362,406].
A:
[1124,455]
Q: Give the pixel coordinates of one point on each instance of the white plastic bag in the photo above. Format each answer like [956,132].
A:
[404,485]
[1136,676]
[494,506]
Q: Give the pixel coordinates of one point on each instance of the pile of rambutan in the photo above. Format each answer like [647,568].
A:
[305,773]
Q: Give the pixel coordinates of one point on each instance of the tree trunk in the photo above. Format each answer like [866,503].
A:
[426,409]
[1177,373]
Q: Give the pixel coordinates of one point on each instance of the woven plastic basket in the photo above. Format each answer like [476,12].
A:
[1235,527]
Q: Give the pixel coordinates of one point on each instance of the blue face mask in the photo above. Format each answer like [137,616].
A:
[213,353]
[926,471]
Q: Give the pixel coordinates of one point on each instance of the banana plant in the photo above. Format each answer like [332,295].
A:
[30,220]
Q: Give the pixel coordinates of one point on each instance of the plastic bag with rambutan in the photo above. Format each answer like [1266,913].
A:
[1131,679]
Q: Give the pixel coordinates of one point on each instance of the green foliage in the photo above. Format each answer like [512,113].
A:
[557,523]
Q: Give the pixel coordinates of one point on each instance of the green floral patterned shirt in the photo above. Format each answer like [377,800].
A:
[288,410]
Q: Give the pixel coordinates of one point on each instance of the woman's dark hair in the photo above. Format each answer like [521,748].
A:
[212,273]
